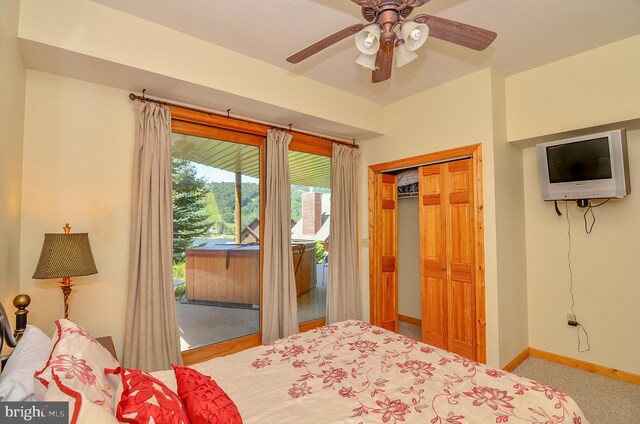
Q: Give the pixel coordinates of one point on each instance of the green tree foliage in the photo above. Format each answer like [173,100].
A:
[319,252]
[190,217]
[221,205]
[224,199]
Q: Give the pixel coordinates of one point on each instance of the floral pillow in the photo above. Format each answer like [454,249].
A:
[144,399]
[205,401]
[78,360]
[80,409]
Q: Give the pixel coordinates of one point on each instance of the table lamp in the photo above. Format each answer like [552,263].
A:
[65,255]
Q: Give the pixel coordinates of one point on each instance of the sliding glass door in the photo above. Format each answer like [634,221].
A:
[310,217]
[217,198]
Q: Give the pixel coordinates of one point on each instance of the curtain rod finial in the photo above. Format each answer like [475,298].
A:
[132,96]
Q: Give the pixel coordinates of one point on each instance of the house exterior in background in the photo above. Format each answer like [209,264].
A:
[314,223]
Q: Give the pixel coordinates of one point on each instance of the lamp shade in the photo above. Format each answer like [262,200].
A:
[367,61]
[414,34]
[368,40]
[404,55]
[65,255]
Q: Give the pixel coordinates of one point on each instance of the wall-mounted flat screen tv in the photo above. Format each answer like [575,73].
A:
[588,167]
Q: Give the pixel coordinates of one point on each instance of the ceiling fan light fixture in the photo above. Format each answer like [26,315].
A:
[414,34]
[368,40]
[367,60]
[404,55]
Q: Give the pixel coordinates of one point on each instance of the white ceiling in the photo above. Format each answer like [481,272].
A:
[530,33]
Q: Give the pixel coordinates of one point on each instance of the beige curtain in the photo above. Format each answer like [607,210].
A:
[279,303]
[343,295]
[152,340]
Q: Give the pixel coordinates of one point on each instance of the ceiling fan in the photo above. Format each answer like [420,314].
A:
[378,39]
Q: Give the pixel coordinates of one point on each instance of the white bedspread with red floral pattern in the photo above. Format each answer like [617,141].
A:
[352,372]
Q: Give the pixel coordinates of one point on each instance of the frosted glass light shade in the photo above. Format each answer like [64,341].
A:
[367,60]
[414,34]
[368,40]
[404,55]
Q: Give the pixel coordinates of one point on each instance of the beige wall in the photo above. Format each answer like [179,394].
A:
[409,258]
[510,234]
[78,154]
[12,87]
[593,88]
[90,29]
[606,283]
[454,114]
[596,88]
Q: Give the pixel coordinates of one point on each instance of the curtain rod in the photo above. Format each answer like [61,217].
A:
[143,98]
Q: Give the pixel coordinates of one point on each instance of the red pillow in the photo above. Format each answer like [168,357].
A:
[205,401]
[145,399]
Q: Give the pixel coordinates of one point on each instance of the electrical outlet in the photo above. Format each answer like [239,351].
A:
[571,320]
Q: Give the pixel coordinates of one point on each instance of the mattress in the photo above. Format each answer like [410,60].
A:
[353,372]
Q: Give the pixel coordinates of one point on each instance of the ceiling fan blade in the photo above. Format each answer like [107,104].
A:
[324,43]
[457,32]
[384,63]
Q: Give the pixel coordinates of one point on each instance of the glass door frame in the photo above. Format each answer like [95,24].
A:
[322,149]
[237,344]
[207,125]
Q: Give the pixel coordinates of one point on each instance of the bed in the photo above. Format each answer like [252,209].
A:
[353,372]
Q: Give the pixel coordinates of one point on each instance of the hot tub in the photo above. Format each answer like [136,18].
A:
[230,272]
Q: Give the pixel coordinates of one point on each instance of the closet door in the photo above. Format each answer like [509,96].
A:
[385,251]
[433,255]
[460,255]
[447,256]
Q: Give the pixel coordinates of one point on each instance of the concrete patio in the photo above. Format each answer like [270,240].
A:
[202,324]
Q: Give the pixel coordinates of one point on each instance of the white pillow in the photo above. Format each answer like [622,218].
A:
[30,355]
[81,409]
[78,360]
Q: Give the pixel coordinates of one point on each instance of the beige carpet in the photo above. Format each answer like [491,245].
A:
[603,400]
[410,330]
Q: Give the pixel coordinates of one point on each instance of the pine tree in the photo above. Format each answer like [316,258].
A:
[190,218]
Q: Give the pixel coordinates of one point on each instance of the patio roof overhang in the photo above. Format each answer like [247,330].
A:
[305,169]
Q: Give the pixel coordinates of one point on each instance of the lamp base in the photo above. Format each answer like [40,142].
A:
[66,285]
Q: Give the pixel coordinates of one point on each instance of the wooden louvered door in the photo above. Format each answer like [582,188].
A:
[385,251]
[447,242]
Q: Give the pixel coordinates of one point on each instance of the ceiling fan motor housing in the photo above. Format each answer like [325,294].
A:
[370,14]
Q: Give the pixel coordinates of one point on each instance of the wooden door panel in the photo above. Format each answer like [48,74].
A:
[433,294]
[460,234]
[433,240]
[458,173]
[432,255]
[389,302]
[431,182]
[461,318]
[386,219]
[460,272]
[460,259]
